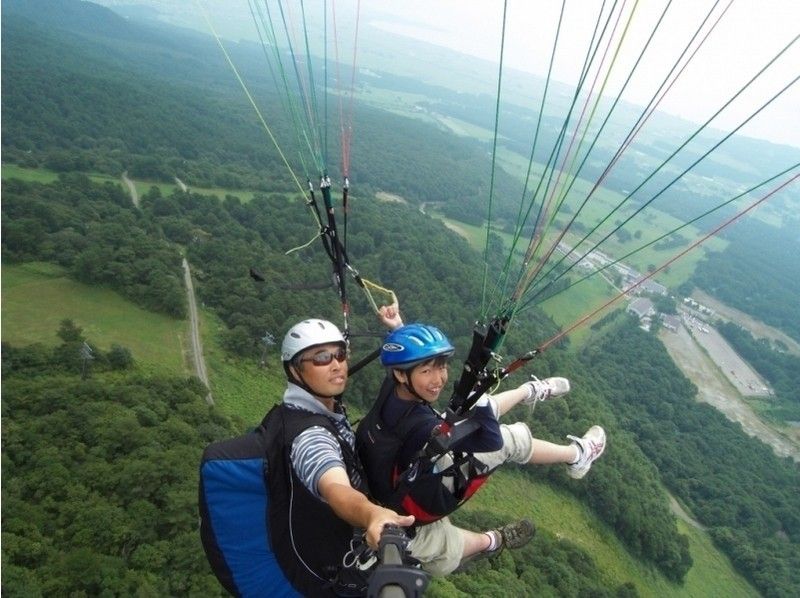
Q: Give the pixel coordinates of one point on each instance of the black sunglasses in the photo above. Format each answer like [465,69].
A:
[325,357]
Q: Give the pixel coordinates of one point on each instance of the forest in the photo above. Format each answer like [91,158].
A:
[100,485]
[779,367]
[68,115]
[757,277]
[100,475]
[733,483]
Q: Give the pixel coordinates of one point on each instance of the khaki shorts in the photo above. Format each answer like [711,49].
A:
[517,446]
[439,546]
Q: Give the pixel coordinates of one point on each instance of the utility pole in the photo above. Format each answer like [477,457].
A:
[86,357]
[267,340]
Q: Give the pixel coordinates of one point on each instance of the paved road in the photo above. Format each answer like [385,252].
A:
[755,327]
[197,345]
[194,328]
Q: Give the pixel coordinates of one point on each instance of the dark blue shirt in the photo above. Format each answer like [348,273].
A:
[486,438]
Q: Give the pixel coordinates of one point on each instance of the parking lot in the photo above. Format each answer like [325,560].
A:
[735,369]
[716,389]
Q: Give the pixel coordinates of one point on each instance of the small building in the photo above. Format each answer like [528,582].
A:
[670,322]
[647,286]
[656,288]
[642,308]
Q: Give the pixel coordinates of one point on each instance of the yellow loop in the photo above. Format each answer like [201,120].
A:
[367,285]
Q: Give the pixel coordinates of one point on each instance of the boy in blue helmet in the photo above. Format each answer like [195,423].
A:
[391,437]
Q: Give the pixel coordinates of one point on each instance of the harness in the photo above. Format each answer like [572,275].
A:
[313,540]
[437,481]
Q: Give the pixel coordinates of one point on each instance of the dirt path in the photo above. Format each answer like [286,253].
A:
[181,184]
[390,197]
[681,514]
[131,189]
[194,332]
[716,390]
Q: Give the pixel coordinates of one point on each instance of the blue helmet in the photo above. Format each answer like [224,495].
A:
[413,344]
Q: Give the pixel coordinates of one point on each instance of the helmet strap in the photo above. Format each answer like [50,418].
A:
[299,381]
[408,385]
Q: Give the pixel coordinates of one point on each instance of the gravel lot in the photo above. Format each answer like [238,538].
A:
[716,389]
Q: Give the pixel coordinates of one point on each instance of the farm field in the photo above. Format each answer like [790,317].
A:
[38,296]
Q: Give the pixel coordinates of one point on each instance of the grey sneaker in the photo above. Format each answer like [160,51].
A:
[541,390]
[517,534]
[591,446]
[511,536]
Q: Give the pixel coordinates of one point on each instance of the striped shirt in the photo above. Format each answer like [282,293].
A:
[315,450]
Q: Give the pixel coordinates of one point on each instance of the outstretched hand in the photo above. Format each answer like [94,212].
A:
[382,518]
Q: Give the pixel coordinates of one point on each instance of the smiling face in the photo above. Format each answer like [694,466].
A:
[426,380]
[324,380]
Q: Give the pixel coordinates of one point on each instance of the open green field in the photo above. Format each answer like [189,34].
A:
[166,189]
[37,296]
[241,388]
[42,175]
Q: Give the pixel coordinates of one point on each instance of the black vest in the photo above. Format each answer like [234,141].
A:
[308,538]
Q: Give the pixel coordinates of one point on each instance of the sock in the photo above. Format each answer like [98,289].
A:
[494,542]
[579,451]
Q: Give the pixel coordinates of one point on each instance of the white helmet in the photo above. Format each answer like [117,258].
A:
[309,333]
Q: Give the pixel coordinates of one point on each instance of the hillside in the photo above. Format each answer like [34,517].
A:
[582,406]
[618,536]
[565,526]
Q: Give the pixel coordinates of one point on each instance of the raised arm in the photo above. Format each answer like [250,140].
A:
[389,315]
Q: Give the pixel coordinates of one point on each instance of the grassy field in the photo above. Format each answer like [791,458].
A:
[41,175]
[241,388]
[513,496]
[37,296]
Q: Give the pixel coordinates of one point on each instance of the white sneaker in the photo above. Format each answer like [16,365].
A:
[591,446]
[541,390]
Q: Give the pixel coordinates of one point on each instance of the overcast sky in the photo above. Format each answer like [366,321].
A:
[748,36]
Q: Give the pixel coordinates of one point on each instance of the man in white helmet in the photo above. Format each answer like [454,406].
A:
[316,486]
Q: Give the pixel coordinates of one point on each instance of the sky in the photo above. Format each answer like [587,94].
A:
[749,35]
